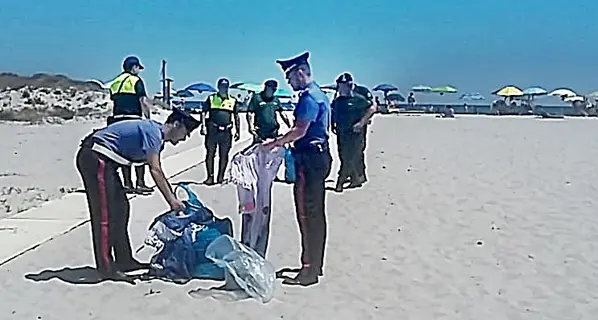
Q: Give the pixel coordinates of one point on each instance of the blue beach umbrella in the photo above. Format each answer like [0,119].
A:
[183,94]
[395,97]
[385,87]
[201,87]
[535,91]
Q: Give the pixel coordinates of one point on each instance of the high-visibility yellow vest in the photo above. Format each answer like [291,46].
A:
[217,102]
[124,84]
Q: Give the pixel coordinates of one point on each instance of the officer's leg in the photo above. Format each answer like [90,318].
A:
[210,143]
[300,210]
[354,159]
[140,177]
[90,171]
[224,145]
[127,178]
[361,169]
[343,173]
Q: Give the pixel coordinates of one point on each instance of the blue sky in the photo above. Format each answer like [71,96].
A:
[476,46]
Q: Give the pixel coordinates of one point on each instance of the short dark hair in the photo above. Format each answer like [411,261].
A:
[184,118]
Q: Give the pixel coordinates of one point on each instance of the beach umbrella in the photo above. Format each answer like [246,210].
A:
[593,94]
[444,89]
[421,88]
[329,87]
[574,99]
[535,91]
[395,97]
[248,86]
[509,91]
[563,93]
[385,87]
[201,87]
[183,94]
[472,96]
[283,93]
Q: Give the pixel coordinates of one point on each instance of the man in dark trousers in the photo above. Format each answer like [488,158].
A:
[367,94]
[221,109]
[309,136]
[127,92]
[261,113]
[350,115]
[123,144]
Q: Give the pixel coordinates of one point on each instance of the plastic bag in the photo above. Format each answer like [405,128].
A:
[252,273]
[289,166]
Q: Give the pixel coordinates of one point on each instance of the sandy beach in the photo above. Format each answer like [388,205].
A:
[468,218]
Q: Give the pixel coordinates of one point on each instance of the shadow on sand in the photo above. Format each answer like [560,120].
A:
[78,276]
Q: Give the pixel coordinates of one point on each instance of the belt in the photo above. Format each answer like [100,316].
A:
[113,155]
[222,128]
[318,147]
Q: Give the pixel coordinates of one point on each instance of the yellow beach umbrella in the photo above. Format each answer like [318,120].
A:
[509,91]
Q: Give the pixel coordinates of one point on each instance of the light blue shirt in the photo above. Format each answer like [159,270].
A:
[132,139]
[313,107]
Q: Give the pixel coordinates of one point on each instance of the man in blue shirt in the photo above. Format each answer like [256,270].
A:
[125,143]
[309,136]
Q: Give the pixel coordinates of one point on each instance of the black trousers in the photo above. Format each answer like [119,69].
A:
[108,208]
[361,165]
[127,174]
[221,140]
[350,151]
[312,168]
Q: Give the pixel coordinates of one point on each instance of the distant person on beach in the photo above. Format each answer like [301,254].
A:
[411,100]
[309,136]
[377,100]
[127,92]
[101,153]
[221,111]
[350,115]
[261,113]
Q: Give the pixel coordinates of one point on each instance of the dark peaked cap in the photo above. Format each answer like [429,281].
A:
[289,65]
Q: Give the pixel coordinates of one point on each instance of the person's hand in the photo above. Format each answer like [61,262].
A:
[358,127]
[237,136]
[271,144]
[202,130]
[177,205]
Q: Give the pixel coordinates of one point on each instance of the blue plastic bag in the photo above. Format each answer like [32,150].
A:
[289,166]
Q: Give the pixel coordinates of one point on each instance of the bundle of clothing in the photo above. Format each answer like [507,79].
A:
[181,240]
[253,172]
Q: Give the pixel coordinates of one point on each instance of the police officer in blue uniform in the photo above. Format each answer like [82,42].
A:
[128,94]
[309,136]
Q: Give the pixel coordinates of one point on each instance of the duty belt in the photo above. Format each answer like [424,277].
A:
[222,128]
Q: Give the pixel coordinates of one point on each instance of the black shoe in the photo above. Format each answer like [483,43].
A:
[133,266]
[116,276]
[129,189]
[209,181]
[219,180]
[306,277]
[143,189]
[356,182]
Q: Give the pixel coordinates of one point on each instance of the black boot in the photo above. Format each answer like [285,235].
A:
[306,277]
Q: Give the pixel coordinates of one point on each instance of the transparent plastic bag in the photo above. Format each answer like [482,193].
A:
[252,273]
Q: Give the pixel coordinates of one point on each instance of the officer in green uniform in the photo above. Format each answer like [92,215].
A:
[130,99]
[366,93]
[261,113]
[221,109]
[350,115]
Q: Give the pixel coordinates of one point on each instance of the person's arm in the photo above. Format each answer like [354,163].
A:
[250,114]
[306,111]
[144,101]
[236,118]
[333,114]
[153,159]
[369,112]
[204,112]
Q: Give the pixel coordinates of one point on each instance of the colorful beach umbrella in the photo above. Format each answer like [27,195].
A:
[385,87]
[395,97]
[509,91]
[535,91]
[421,88]
[563,93]
[248,86]
[593,94]
[200,87]
[472,96]
[444,89]
[283,93]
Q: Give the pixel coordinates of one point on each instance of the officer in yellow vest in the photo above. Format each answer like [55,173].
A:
[127,92]
[220,109]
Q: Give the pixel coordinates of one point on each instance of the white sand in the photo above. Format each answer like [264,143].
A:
[467,218]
